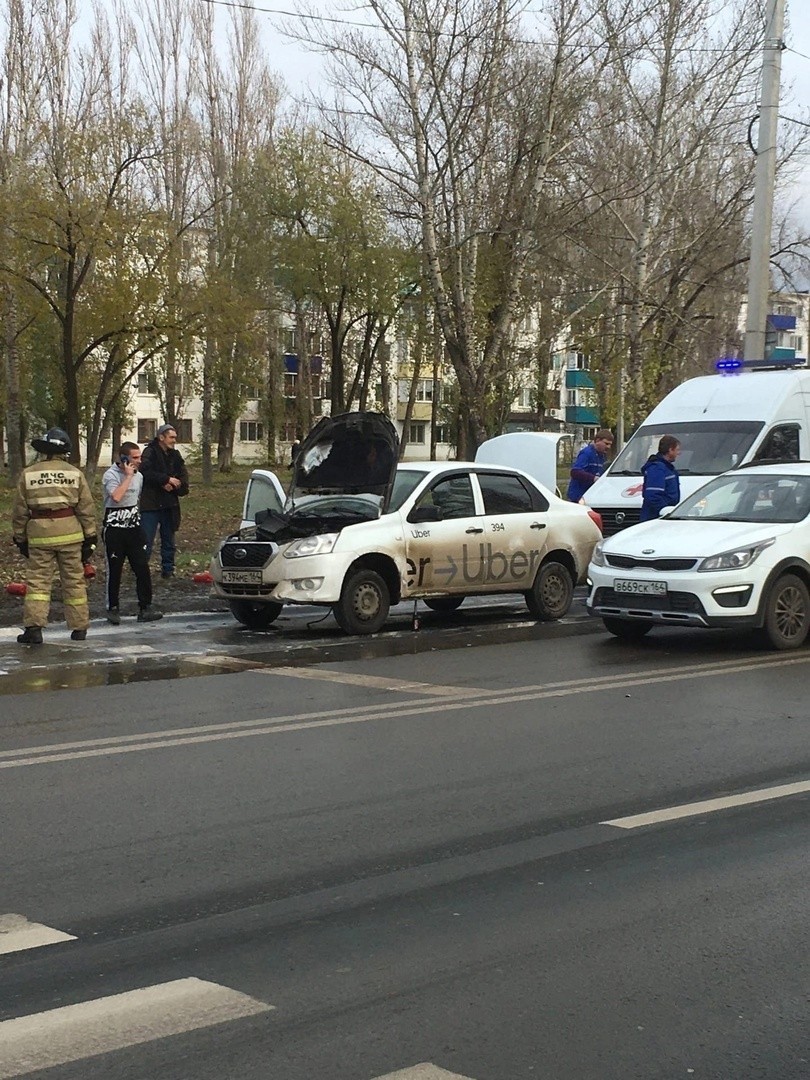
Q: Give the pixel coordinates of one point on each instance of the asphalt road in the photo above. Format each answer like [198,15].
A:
[428,865]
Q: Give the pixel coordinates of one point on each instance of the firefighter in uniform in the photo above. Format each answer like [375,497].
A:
[54,526]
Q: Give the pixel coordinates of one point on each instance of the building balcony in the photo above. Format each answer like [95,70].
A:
[581,414]
[576,378]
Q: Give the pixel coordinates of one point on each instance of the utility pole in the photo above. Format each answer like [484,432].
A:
[759,275]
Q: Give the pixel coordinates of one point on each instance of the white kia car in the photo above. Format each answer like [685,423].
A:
[735,553]
[358,532]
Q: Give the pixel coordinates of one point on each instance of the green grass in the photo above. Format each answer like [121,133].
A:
[209,513]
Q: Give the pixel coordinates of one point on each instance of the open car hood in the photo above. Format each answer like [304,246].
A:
[343,474]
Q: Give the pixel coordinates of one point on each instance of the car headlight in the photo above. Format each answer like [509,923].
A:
[735,560]
[598,558]
[321,544]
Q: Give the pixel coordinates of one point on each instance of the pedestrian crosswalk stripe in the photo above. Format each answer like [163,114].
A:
[18,934]
[74,1032]
[425,1071]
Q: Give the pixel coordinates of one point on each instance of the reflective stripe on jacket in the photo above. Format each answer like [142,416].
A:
[53,485]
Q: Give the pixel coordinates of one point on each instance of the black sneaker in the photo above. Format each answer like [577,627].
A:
[32,635]
[149,614]
[114,616]
[167,574]
[78,635]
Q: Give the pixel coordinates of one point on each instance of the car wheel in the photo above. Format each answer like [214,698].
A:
[552,592]
[364,603]
[787,613]
[626,629]
[444,603]
[253,615]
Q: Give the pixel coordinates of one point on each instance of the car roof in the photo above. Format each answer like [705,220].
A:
[775,468]
[452,466]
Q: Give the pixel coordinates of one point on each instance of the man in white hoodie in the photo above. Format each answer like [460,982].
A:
[124,537]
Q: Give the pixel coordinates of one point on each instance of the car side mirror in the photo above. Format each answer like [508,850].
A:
[425,513]
[666,511]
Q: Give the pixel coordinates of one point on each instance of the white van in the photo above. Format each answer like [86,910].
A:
[722,421]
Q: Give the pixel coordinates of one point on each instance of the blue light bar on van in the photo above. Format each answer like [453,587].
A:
[733,363]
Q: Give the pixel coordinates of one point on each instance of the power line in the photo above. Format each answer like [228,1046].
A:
[336,21]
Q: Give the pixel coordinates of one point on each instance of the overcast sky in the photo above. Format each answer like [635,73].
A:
[298,68]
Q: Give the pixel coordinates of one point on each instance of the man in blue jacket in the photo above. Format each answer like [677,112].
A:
[589,463]
[661,485]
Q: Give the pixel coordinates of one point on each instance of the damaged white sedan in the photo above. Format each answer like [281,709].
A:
[358,533]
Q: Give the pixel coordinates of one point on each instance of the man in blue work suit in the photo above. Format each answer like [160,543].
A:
[661,484]
[589,463]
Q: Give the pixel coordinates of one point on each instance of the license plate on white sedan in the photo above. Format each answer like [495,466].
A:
[641,588]
[241,577]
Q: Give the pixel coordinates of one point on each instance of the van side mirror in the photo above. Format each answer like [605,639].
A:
[425,513]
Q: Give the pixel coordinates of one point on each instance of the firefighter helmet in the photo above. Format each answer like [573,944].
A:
[54,442]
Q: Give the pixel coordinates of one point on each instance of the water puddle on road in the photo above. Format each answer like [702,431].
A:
[28,680]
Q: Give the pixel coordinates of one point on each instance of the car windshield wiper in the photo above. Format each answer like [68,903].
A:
[625,472]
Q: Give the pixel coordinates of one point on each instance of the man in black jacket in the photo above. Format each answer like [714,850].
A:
[165,481]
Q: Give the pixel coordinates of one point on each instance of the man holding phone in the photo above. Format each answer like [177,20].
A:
[124,536]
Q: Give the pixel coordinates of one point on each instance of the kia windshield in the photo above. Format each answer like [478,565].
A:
[771,498]
[708,447]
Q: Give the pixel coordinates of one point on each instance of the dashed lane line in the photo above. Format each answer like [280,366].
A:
[38,755]
[375,682]
[425,1071]
[18,934]
[710,806]
[75,1032]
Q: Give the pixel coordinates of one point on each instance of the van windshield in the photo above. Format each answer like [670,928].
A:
[708,447]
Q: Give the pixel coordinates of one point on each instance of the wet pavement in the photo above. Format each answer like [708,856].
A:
[195,643]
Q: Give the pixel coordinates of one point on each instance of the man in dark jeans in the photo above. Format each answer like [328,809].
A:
[165,481]
[124,538]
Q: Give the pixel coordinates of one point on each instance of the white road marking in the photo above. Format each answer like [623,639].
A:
[18,934]
[239,729]
[710,806]
[75,1032]
[426,1071]
[374,682]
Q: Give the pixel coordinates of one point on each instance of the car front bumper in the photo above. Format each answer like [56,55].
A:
[723,599]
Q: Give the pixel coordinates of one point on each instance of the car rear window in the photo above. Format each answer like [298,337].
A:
[504,494]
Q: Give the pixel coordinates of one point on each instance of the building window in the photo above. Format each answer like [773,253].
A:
[147,383]
[250,391]
[442,433]
[524,398]
[183,429]
[416,432]
[290,384]
[146,430]
[424,390]
[251,431]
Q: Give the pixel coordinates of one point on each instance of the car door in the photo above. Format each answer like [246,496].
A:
[515,531]
[443,538]
[263,492]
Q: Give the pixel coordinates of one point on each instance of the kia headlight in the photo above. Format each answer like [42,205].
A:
[321,544]
[737,559]
[598,558]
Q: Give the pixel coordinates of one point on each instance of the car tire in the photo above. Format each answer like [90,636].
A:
[552,592]
[626,629]
[364,603]
[253,615]
[444,604]
[787,613]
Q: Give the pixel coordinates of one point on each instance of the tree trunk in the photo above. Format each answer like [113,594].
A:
[11,372]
